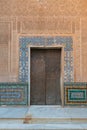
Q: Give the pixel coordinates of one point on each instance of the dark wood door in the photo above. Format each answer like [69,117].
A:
[45,77]
[37,77]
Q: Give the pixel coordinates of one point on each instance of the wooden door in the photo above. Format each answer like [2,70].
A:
[45,77]
[37,77]
[52,76]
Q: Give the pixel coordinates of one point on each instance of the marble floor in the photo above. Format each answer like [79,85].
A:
[43,127]
[13,112]
[57,112]
[9,117]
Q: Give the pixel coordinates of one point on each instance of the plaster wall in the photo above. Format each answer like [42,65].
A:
[42,18]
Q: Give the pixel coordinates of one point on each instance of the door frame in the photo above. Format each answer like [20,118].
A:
[61,69]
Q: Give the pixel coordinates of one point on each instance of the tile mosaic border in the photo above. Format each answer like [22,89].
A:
[13,94]
[74,98]
[17,94]
[66,41]
[80,93]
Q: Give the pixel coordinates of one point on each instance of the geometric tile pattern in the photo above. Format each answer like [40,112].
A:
[66,41]
[75,93]
[13,94]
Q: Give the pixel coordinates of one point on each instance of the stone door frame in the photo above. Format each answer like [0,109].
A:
[61,70]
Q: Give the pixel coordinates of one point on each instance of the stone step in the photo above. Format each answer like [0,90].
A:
[31,120]
[12,120]
[55,115]
[43,126]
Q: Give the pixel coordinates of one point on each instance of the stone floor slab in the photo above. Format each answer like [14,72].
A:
[42,127]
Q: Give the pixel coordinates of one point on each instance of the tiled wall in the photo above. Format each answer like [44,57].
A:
[13,94]
[75,93]
[17,93]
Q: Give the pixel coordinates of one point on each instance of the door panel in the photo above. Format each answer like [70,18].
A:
[52,76]
[45,76]
[37,77]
